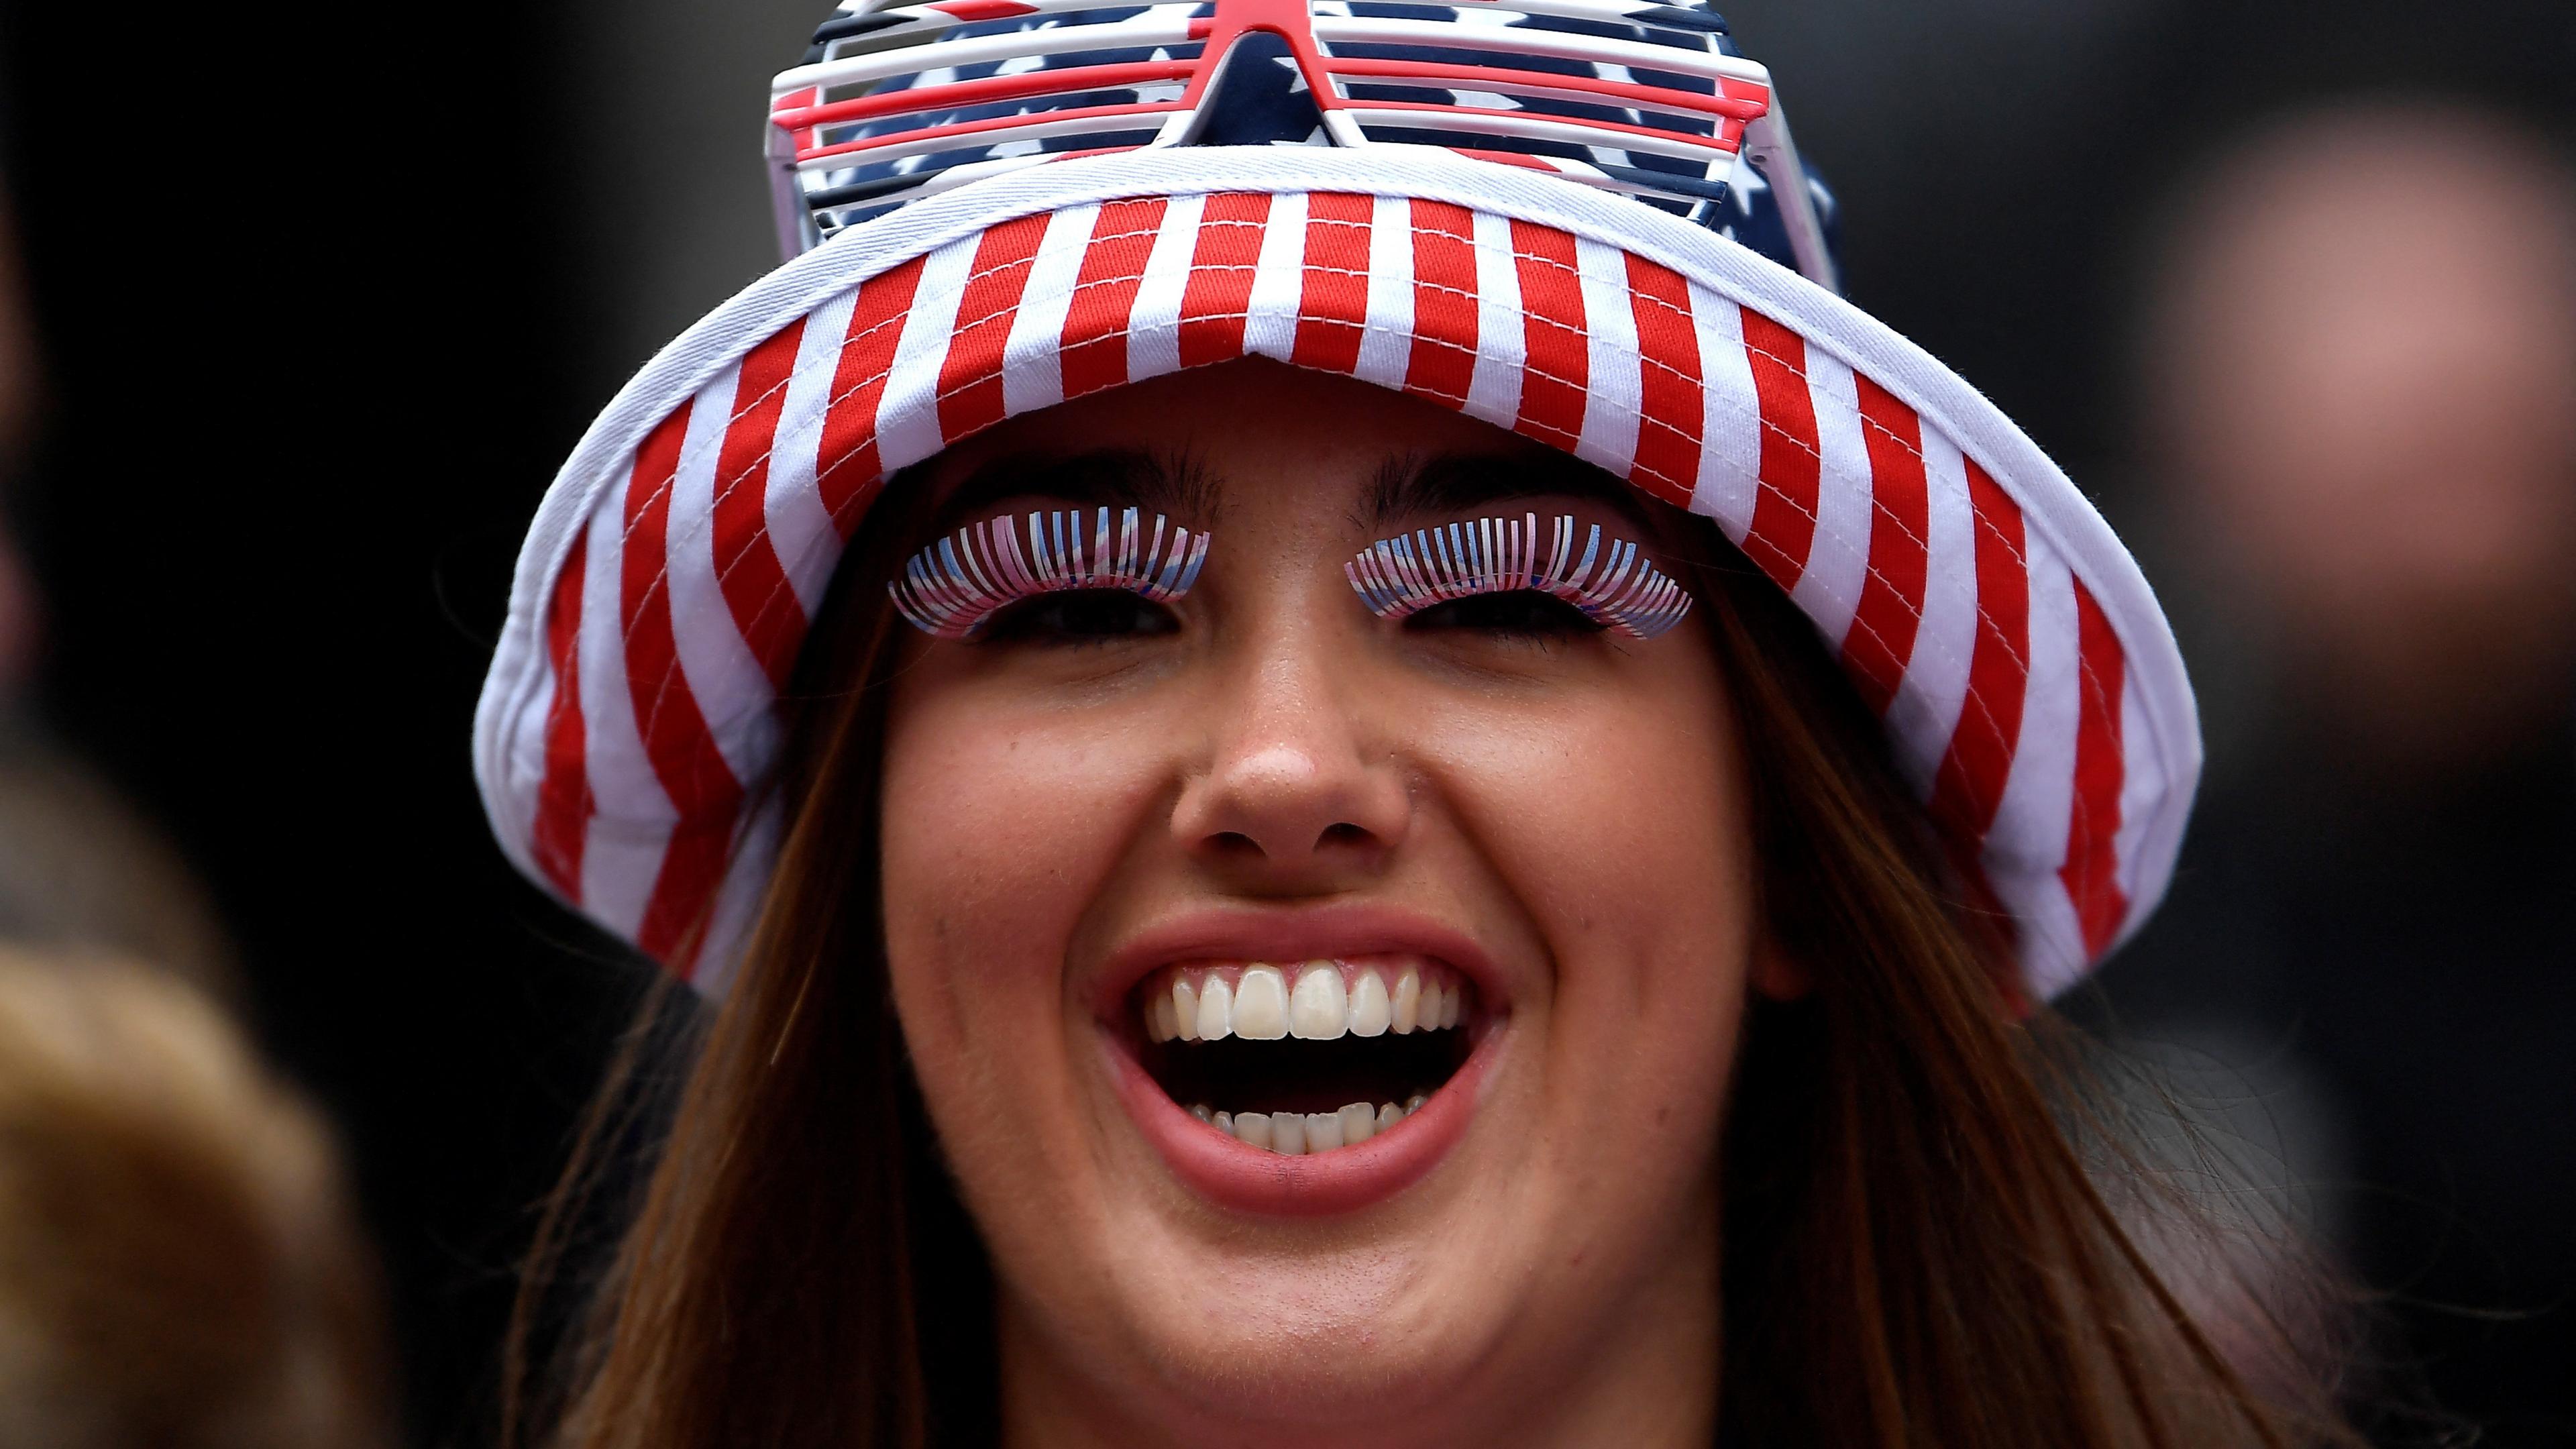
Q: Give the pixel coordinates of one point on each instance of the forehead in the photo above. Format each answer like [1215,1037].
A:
[1255,438]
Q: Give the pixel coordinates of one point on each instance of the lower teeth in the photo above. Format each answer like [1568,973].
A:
[1298,1134]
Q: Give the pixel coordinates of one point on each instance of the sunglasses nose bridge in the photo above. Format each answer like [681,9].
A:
[1293,22]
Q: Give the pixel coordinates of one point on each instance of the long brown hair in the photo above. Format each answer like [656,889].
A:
[1915,1252]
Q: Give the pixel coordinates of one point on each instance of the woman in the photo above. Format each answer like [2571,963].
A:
[1343,793]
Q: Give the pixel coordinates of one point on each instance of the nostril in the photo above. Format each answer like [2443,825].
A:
[1234,842]
[1342,833]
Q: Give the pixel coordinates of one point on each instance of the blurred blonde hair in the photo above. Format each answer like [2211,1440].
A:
[178,1261]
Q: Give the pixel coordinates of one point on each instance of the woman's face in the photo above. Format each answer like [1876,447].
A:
[1103,810]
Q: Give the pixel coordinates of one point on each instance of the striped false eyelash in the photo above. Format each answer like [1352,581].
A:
[1404,575]
[955,586]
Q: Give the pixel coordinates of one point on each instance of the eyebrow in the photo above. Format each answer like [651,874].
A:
[1413,487]
[1176,485]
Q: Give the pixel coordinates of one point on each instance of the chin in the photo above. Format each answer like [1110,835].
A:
[1321,1337]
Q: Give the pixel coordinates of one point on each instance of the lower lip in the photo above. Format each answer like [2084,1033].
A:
[1250,1179]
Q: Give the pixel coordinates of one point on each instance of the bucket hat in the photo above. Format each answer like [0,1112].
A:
[1486,208]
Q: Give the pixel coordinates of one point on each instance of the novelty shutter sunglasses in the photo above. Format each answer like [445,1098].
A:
[895,103]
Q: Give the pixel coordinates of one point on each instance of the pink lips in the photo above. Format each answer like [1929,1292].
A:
[1250,1179]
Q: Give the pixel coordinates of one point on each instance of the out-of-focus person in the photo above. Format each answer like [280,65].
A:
[80,869]
[2361,370]
[179,1264]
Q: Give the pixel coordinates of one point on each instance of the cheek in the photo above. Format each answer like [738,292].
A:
[1622,826]
[1623,832]
[997,832]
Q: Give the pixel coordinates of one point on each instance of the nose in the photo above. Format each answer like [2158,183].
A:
[1293,797]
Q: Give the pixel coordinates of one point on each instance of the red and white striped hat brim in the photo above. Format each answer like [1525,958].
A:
[2027,679]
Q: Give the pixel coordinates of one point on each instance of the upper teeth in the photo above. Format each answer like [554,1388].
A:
[1329,999]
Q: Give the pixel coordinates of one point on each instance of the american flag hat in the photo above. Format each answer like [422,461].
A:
[1539,213]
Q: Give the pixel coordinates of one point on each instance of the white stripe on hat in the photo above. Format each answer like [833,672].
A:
[1033,358]
[521,809]
[622,848]
[1154,322]
[1927,704]
[2027,845]
[1730,439]
[2144,784]
[1502,340]
[793,507]
[908,414]
[1616,397]
[1838,561]
[1278,282]
[717,667]
[1386,342]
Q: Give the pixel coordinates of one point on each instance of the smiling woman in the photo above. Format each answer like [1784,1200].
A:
[1356,852]
[1338,800]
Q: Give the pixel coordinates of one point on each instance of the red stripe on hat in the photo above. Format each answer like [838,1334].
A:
[684,757]
[1333,305]
[1668,372]
[2091,872]
[1094,355]
[564,801]
[765,610]
[1881,641]
[1443,365]
[970,376]
[1556,377]
[692,868]
[1218,295]
[1970,784]
[847,466]
[1784,507]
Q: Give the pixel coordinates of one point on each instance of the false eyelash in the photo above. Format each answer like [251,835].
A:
[955,586]
[1402,576]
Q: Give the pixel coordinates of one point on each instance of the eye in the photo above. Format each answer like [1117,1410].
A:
[1080,616]
[1510,613]
[1076,580]
[1496,576]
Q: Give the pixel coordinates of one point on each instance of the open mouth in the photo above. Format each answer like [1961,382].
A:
[1309,1057]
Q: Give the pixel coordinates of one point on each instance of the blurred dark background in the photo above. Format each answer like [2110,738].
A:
[318,299]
